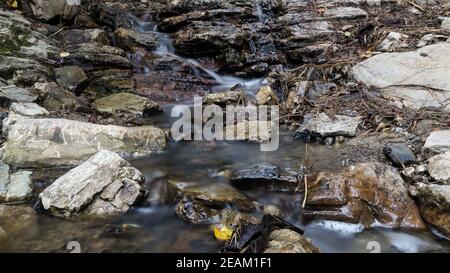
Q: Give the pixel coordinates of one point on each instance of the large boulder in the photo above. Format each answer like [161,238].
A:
[49,9]
[435,206]
[416,79]
[35,142]
[104,185]
[368,194]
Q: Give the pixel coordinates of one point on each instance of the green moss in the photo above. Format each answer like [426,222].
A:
[11,44]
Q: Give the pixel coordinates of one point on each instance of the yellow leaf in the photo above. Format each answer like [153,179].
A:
[12,4]
[223,233]
[64,54]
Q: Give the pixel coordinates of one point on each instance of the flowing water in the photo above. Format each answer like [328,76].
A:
[153,226]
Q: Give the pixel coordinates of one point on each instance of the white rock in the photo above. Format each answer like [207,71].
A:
[104,185]
[439,167]
[28,109]
[326,126]
[438,142]
[393,42]
[445,25]
[418,78]
[14,187]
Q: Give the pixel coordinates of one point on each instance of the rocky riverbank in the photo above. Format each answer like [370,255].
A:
[86,90]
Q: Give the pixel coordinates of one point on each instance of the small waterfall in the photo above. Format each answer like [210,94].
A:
[166,48]
[260,12]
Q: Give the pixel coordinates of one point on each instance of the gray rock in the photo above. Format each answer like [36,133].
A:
[126,103]
[213,195]
[28,109]
[49,9]
[438,142]
[70,77]
[34,142]
[196,212]
[393,42]
[104,185]
[89,55]
[445,25]
[270,177]
[435,206]
[418,78]
[17,221]
[81,36]
[439,167]
[431,39]
[12,93]
[19,187]
[345,13]
[14,187]
[326,126]
[22,71]
[400,154]
[131,40]
[288,241]
[225,98]
[56,98]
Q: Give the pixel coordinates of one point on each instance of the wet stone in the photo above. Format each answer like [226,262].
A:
[17,221]
[266,176]
[434,203]
[12,93]
[70,77]
[366,194]
[400,154]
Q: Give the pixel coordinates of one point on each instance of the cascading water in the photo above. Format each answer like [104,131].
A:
[166,48]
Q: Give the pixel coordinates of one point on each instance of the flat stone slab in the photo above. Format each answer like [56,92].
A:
[28,109]
[439,167]
[326,126]
[12,93]
[126,103]
[37,142]
[14,187]
[415,79]
[438,142]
